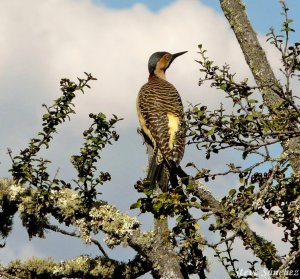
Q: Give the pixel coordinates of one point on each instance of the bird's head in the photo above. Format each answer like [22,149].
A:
[159,62]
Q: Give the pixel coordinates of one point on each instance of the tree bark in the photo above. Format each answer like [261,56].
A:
[158,250]
[234,11]
[161,253]
[165,259]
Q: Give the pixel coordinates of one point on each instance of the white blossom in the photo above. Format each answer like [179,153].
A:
[84,232]
[66,200]
[15,190]
[117,226]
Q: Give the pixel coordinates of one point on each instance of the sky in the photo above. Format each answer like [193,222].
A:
[43,41]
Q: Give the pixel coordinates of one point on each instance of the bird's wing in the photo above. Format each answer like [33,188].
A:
[160,113]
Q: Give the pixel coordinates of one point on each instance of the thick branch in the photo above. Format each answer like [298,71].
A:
[79,267]
[5,275]
[260,68]
[252,50]
[161,253]
[119,228]
[157,249]
[288,263]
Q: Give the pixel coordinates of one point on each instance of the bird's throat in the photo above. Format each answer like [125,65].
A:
[160,73]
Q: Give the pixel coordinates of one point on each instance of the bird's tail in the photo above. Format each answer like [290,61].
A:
[157,173]
[162,173]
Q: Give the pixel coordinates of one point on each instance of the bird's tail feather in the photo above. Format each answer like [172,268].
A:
[162,173]
[163,179]
[158,173]
[154,171]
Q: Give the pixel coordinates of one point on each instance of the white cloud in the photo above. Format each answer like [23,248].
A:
[47,40]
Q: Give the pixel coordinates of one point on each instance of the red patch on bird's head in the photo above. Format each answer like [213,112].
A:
[152,76]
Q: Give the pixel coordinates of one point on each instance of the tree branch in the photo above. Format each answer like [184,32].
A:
[161,252]
[260,68]
[74,234]
[289,261]
[259,245]
[8,276]
[255,56]
[79,267]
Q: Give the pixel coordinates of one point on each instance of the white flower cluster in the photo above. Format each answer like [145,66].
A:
[66,200]
[85,265]
[117,226]
[83,230]
[15,191]
[80,263]
[27,205]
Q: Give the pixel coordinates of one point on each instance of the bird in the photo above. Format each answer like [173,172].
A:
[161,116]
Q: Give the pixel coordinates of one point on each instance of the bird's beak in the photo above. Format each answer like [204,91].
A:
[177,54]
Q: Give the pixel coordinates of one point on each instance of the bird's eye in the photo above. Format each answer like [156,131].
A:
[168,57]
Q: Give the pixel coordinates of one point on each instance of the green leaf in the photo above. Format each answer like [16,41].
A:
[249,117]
[157,206]
[232,274]
[204,217]
[252,101]
[82,179]
[245,154]
[196,226]
[179,218]
[211,131]
[250,189]
[137,204]
[232,192]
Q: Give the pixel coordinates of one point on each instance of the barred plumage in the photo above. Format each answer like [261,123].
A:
[161,115]
[158,102]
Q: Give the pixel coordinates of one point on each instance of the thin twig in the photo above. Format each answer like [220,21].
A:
[230,238]
[57,229]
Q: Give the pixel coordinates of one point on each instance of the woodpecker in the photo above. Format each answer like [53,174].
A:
[161,116]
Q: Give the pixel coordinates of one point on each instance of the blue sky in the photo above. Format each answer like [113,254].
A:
[262,13]
[55,39]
